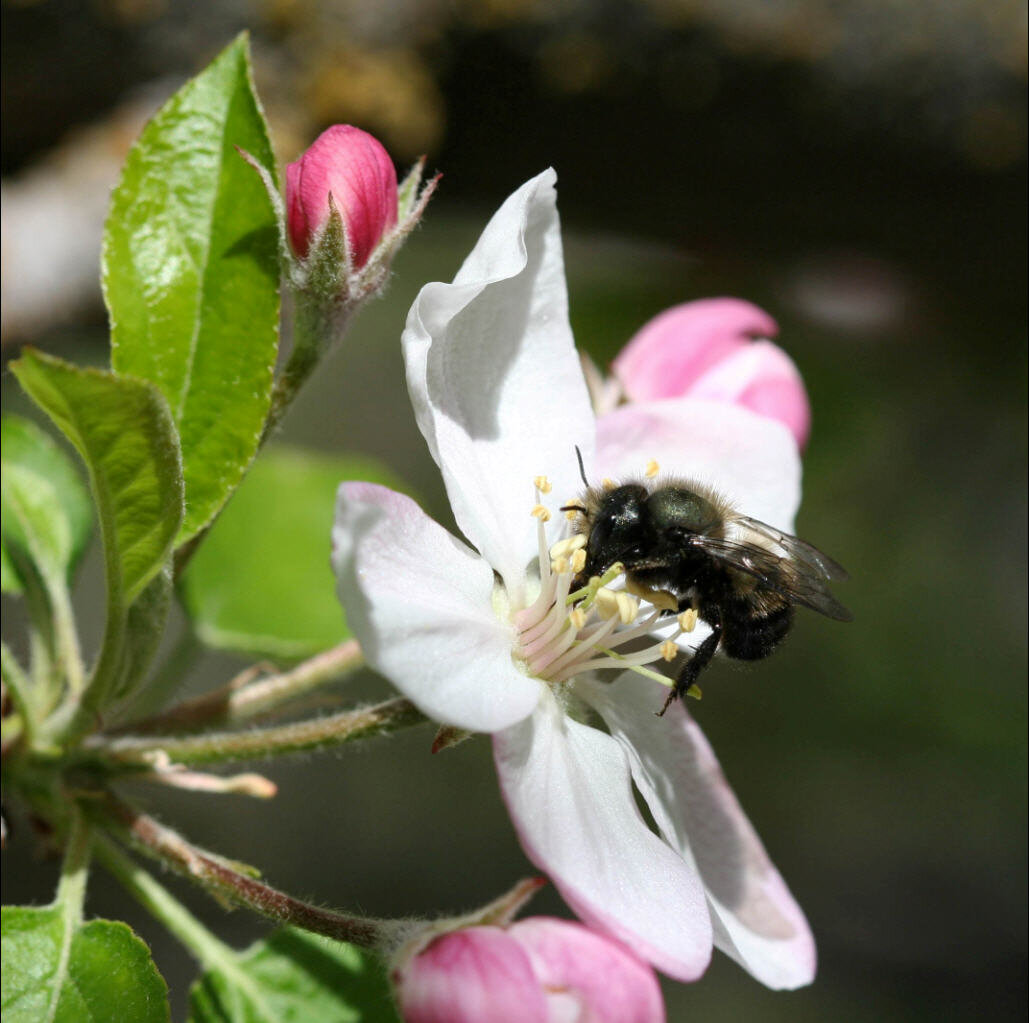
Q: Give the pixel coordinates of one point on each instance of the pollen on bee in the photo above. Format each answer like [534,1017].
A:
[688,620]
[652,469]
[543,485]
[540,513]
[571,514]
[669,650]
[607,483]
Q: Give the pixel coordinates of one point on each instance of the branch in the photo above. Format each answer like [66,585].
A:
[242,698]
[296,737]
[220,880]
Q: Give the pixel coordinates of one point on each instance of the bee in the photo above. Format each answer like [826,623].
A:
[684,548]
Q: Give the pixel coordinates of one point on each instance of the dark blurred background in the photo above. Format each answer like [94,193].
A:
[856,167]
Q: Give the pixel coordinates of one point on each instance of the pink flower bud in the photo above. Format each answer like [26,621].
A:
[538,970]
[705,349]
[357,171]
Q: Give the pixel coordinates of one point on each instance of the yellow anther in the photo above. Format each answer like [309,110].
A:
[559,565]
[688,620]
[572,514]
[540,513]
[628,607]
[543,485]
[578,560]
[608,484]
[577,618]
[606,603]
[652,469]
[566,546]
[669,651]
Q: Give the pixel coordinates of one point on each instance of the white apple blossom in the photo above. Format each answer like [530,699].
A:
[482,635]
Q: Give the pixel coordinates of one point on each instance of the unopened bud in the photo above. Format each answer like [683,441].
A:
[715,349]
[354,168]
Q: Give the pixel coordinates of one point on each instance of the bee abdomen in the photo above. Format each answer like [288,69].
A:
[750,639]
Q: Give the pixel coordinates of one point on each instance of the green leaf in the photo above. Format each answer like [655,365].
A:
[191,275]
[293,977]
[45,479]
[262,583]
[123,431]
[143,633]
[104,973]
[33,524]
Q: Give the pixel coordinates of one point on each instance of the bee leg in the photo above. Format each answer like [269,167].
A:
[693,667]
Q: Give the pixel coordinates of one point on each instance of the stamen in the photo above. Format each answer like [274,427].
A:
[606,603]
[566,546]
[588,592]
[571,662]
[641,628]
[652,469]
[628,607]
[562,634]
[542,484]
[688,620]
[669,651]
[572,514]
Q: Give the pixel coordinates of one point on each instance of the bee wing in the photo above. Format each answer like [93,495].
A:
[795,549]
[799,581]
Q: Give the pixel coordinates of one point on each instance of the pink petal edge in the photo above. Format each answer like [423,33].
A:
[674,349]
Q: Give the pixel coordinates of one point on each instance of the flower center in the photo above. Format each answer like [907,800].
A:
[563,633]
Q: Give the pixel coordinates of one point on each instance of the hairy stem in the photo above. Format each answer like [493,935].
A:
[17,685]
[219,747]
[71,893]
[71,889]
[241,698]
[209,950]
[317,326]
[221,880]
[66,639]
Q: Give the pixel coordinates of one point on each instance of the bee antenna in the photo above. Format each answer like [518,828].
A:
[582,468]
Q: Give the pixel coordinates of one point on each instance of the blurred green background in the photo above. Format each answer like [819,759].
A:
[856,168]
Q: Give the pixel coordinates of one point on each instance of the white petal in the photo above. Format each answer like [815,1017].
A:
[495,381]
[756,920]
[749,459]
[567,788]
[419,602]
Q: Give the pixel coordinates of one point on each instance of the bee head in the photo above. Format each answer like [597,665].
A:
[616,527]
